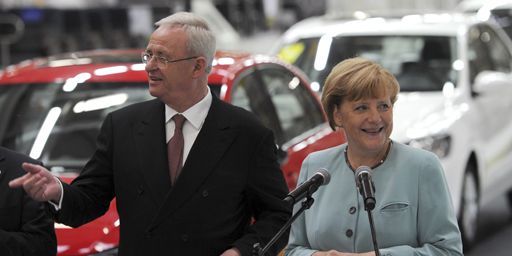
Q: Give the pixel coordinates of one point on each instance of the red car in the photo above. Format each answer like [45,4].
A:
[52,109]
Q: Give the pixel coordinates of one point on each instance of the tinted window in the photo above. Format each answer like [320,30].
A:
[58,127]
[487,52]
[504,18]
[295,106]
[420,63]
[301,54]
[250,93]
[279,99]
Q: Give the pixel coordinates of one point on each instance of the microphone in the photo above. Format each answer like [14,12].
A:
[366,188]
[321,177]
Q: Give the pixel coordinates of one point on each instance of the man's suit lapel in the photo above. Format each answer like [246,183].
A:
[149,134]
[213,140]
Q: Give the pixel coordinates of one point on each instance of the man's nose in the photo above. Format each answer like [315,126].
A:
[151,64]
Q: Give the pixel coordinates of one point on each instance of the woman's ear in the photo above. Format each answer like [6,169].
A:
[338,120]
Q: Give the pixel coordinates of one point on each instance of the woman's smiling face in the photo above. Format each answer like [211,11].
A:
[367,122]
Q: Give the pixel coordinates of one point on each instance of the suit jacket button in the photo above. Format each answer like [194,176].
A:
[349,233]
[140,190]
[352,210]
[205,193]
[184,238]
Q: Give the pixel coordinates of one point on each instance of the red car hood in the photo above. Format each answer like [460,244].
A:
[104,231]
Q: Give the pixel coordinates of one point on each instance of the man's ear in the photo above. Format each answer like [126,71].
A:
[200,66]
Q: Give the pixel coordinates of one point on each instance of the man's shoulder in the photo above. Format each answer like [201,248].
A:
[237,116]
[138,111]
[139,107]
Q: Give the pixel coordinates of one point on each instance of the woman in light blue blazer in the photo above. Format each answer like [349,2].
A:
[413,214]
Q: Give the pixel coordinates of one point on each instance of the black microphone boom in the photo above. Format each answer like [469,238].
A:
[365,184]
[321,177]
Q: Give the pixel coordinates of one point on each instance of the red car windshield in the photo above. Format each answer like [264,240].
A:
[58,124]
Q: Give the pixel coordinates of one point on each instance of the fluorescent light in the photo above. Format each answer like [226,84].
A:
[324,47]
[110,70]
[44,132]
[100,103]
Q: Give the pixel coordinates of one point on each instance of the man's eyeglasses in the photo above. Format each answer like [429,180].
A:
[162,61]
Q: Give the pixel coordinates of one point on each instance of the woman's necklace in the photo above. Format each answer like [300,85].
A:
[372,167]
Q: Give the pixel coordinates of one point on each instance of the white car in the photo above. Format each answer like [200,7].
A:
[500,11]
[455,74]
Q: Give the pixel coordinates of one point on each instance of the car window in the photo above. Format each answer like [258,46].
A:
[504,18]
[295,105]
[487,52]
[3,94]
[300,53]
[278,98]
[421,63]
[7,94]
[249,92]
[48,123]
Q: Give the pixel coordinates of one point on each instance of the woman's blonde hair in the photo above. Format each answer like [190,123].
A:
[354,79]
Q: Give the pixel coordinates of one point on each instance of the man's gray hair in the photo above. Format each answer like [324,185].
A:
[201,40]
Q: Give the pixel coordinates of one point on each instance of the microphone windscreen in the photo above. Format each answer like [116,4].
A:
[360,170]
[326,175]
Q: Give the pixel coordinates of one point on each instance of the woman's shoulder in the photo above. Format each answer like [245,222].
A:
[416,158]
[329,158]
[413,153]
[328,153]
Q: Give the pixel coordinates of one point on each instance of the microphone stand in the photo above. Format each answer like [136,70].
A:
[372,228]
[306,204]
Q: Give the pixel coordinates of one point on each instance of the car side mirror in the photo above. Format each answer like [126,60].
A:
[491,81]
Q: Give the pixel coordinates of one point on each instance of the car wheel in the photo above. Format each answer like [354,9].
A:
[468,221]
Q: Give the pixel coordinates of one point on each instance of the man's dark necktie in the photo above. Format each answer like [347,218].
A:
[175,148]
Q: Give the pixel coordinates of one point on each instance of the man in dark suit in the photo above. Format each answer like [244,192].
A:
[222,194]
[26,228]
